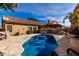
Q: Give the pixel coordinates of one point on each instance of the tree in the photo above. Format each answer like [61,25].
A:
[74,20]
[8,6]
[32,19]
[73,17]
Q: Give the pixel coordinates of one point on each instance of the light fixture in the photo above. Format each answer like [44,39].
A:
[4,18]
[7,19]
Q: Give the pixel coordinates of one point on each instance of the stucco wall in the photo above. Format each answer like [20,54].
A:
[21,29]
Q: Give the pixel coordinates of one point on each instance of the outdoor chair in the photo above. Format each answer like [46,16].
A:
[1,54]
[74,47]
[2,36]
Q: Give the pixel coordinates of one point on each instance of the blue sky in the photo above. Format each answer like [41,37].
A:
[41,11]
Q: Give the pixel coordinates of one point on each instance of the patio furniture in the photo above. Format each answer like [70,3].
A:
[1,54]
[2,36]
[74,46]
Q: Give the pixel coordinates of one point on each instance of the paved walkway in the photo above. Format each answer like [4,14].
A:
[63,43]
[12,46]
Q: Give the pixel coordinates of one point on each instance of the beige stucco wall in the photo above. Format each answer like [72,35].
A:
[22,29]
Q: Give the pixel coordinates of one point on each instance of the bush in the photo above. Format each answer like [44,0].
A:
[74,31]
[39,31]
[30,32]
[61,32]
[35,31]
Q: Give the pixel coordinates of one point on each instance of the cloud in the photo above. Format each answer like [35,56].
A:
[50,9]
[58,19]
[43,11]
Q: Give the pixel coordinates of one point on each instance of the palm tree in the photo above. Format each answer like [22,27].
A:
[73,18]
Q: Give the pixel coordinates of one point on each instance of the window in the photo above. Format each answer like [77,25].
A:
[30,28]
[9,28]
[34,28]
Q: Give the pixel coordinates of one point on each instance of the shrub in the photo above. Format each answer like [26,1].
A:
[29,32]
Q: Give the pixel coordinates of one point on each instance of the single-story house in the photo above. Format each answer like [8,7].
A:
[17,26]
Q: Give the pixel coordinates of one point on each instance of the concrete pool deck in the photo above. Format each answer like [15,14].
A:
[63,43]
[12,46]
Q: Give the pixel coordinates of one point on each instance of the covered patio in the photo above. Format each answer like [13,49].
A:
[51,27]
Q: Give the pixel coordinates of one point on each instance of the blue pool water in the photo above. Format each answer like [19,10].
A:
[40,45]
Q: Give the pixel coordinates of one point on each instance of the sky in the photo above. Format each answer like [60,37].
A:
[41,11]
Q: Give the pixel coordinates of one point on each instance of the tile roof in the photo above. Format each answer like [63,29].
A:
[29,21]
[22,21]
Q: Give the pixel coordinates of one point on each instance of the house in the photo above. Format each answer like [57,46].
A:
[17,26]
[51,27]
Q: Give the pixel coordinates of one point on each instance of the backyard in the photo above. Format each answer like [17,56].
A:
[12,46]
[33,29]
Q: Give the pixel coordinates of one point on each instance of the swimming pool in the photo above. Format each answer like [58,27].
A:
[39,45]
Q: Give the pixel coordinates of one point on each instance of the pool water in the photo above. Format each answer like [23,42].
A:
[39,45]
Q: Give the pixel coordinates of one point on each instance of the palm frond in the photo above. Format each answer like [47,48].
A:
[65,19]
[68,15]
